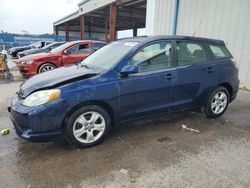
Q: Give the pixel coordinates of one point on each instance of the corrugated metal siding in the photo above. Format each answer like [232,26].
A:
[91,5]
[228,20]
[159,16]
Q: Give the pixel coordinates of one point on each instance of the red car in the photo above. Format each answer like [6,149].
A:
[66,54]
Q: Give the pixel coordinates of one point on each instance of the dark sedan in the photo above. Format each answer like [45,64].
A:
[15,50]
[45,49]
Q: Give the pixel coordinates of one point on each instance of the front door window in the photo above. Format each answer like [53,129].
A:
[153,57]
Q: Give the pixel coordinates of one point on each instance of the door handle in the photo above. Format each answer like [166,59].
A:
[209,69]
[169,76]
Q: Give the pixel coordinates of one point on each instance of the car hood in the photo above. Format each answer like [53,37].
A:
[55,78]
[36,56]
[19,48]
[26,52]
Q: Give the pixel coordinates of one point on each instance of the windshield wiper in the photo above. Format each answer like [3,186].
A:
[83,65]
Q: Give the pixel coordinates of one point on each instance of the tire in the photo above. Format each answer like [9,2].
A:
[46,67]
[81,132]
[14,55]
[18,56]
[217,103]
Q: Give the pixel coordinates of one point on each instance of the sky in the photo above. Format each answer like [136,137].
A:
[33,16]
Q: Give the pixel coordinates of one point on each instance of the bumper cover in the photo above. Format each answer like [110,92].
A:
[27,71]
[38,124]
[27,134]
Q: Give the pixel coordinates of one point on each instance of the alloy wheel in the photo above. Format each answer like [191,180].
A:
[89,127]
[47,68]
[219,102]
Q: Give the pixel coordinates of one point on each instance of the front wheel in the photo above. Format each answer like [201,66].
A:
[217,102]
[46,67]
[87,126]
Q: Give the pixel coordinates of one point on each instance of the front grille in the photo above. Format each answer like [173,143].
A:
[20,119]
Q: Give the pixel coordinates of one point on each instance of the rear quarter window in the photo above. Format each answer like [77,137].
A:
[220,52]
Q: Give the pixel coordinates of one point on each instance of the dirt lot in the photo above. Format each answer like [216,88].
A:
[148,153]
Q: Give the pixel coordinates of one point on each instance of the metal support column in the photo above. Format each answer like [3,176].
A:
[112,22]
[82,26]
[175,16]
[66,31]
[56,31]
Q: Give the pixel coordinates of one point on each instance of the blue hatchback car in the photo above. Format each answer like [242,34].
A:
[127,79]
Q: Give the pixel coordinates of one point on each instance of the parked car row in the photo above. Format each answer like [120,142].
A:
[13,52]
[44,49]
[54,57]
[125,80]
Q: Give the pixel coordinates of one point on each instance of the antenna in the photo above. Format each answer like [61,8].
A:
[198,27]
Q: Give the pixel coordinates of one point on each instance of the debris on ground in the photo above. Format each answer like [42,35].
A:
[120,139]
[189,129]
[124,171]
[5,131]
[165,138]
[132,180]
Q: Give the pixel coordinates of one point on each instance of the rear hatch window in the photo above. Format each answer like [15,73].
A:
[220,52]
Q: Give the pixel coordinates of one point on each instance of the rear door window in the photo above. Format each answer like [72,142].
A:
[55,45]
[220,52]
[190,53]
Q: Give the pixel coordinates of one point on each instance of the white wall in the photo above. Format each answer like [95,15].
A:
[159,17]
[93,5]
[71,33]
[228,20]
[100,36]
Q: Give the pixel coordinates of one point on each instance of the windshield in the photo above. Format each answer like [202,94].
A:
[61,48]
[35,45]
[48,46]
[109,55]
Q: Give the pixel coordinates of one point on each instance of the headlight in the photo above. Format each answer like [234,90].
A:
[41,97]
[27,62]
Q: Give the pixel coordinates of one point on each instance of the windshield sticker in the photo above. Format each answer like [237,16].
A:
[130,43]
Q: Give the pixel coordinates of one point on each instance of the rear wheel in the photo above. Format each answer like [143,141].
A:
[217,103]
[87,126]
[46,67]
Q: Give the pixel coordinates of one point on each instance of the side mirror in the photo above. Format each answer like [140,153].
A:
[65,52]
[129,69]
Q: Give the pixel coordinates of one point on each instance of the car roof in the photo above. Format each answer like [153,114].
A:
[59,42]
[146,39]
[86,41]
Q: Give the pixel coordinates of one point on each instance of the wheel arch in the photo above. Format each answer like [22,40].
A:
[228,87]
[101,104]
[223,84]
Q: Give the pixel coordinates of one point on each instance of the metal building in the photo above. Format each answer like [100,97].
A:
[228,20]
[100,19]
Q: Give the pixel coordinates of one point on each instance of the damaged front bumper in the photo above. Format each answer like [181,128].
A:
[26,133]
[38,124]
